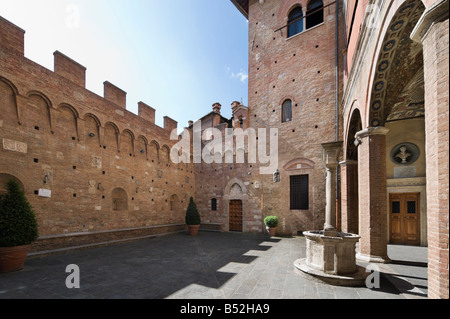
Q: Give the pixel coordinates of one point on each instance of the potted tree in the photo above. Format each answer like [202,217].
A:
[271,223]
[18,228]
[193,219]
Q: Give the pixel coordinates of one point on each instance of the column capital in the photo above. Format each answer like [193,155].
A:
[436,13]
[331,152]
[348,162]
[379,130]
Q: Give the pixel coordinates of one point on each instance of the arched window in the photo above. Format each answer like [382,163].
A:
[295,22]
[214,204]
[287,111]
[314,15]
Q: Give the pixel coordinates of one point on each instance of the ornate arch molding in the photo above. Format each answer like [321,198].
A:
[231,190]
[396,37]
[299,163]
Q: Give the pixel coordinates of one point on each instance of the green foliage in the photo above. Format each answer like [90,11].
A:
[271,221]
[192,214]
[18,225]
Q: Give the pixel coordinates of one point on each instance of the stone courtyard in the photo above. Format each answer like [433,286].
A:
[211,266]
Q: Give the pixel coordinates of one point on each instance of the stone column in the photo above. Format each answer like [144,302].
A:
[373,208]
[349,196]
[432,31]
[331,153]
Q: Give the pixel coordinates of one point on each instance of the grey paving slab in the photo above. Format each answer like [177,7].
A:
[210,266]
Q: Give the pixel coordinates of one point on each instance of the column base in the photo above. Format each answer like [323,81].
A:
[373,259]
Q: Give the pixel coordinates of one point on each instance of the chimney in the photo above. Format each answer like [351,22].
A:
[68,68]
[216,108]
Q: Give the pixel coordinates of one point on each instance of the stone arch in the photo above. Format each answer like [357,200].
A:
[235,189]
[299,163]
[397,56]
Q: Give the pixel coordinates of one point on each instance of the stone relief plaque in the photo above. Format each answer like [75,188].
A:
[15,146]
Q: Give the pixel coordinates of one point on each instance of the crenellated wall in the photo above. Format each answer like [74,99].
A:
[86,163]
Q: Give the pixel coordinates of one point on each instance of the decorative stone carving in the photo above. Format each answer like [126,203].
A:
[235,190]
[15,146]
[405,154]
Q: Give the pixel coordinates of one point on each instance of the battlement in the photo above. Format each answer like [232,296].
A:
[11,36]
[12,39]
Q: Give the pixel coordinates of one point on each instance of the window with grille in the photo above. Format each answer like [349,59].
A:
[214,204]
[287,111]
[300,192]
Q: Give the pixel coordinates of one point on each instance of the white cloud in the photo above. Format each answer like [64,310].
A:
[242,76]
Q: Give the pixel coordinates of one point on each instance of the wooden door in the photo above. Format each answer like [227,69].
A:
[404,219]
[236,215]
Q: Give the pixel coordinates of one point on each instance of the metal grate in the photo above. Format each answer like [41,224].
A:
[300,192]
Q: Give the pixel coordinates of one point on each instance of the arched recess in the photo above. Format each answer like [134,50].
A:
[165,154]
[4,179]
[67,122]
[37,114]
[175,203]
[91,130]
[119,199]
[111,138]
[142,147]
[8,105]
[127,143]
[154,151]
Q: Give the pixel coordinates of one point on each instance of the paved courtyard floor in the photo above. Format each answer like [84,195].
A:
[210,266]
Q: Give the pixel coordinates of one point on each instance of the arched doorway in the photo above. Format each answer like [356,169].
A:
[4,179]
[235,201]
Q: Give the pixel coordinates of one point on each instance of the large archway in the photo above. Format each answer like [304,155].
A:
[395,109]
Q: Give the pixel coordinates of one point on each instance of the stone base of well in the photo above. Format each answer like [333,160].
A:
[332,259]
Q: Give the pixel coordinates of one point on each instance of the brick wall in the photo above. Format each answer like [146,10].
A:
[55,135]
[436,65]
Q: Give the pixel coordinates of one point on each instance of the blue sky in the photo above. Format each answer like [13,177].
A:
[178,56]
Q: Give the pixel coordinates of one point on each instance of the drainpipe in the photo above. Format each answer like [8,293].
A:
[336,36]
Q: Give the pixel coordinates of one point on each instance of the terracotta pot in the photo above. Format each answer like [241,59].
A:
[193,229]
[13,258]
[272,231]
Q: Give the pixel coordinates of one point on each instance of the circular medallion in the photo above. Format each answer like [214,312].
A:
[405,154]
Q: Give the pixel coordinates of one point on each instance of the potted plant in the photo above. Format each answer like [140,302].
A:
[18,228]
[271,223]
[193,219]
